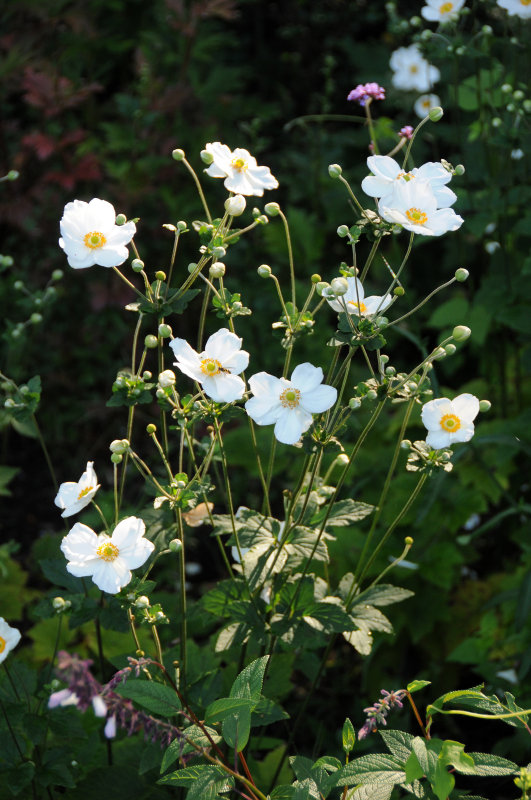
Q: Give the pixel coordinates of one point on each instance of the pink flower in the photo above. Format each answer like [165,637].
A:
[366,91]
[406,132]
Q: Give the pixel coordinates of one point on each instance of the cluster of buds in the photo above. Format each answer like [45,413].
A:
[422,457]
[364,92]
[377,714]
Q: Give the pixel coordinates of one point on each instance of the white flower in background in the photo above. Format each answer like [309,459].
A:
[414,206]
[439,11]
[289,405]
[411,70]
[64,697]
[450,421]
[89,234]
[72,497]
[517,154]
[425,103]
[240,170]
[108,560]
[521,8]
[355,302]
[217,368]
[9,638]
[387,173]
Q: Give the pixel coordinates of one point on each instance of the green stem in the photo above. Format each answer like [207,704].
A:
[290,256]
[45,451]
[199,189]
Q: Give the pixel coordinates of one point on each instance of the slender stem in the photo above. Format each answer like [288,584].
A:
[425,733]
[290,256]
[199,188]
[45,451]
[371,126]
[128,282]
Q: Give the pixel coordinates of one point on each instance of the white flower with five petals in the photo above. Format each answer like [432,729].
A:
[450,421]
[387,173]
[355,302]
[89,234]
[442,10]
[414,206]
[72,497]
[9,638]
[411,70]
[108,560]
[289,405]
[520,8]
[217,368]
[240,170]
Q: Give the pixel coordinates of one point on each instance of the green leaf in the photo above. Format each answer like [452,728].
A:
[248,684]
[414,771]
[348,736]
[372,769]
[224,707]
[6,476]
[399,743]
[372,791]
[328,618]
[55,571]
[453,754]
[443,782]
[488,765]
[156,697]
[347,512]
[236,729]
[203,781]
[19,777]
[384,594]
[370,619]
[304,543]
[417,685]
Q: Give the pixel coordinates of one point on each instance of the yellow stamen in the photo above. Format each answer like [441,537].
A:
[210,367]
[84,492]
[450,423]
[362,308]
[446,8]
[239,164]
[407,176]
[290,397]
[2,644]
[94,239]
[107,551]
[417,216]
[525,2]
[413,68]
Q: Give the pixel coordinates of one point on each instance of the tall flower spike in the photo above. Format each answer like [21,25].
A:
[89,234]
[240,170]
[73,497]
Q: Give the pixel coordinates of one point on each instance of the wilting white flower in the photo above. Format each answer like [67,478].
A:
[108,560]
[355,302]
[425,103]
[217,368]
[240,170]
[89,234]
[289,405]
[9,638]
[521,8]
[72,497]
[64,697]
[438,11]
[387,173]
[450,421]
[414,206]
[411,70]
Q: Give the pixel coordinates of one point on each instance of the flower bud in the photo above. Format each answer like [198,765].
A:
[12,175]
[137,265]
[487,30]
[57,274]
[450,349]
[459,170]
[339,286]
[116,458]
[142,601]
[460,333]
[206,157]
[342,460]
[150,341]
[160,275]
[354,403]
[182,226]
[264,271]
[218,252]
[164,331]
[18,285]
[439,353]
[461,274]
[178,154]
[167,378]
[262,219]
[237,305]
[408,540]
[175,545]
[415,22]
[435,113]
[390,371]
[485,405]
[273,209]
[147,375]
[321,287]
[35,318]
[496,122]
[342,231]
[506,88]
[405,444]
[58,603]
[217,269]
[316,278]
[160,615]
[119,446]
[335,171]
[151,429]
[235,205]
[372,394]
[527,105]
[384,359]
[192,267]
[121,219]
[399,291]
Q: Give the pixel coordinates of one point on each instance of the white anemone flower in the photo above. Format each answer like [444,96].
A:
[9,638]
[217,368]
[424,104]
[289,405]
[387,173]
[414,206]
[240,170]
[108,560]
[411,70]
[72,497]
[520,8]
[89,234]
[355,302]
[439,11]
[450,421]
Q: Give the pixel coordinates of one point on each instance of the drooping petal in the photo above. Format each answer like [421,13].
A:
[238,362]
[319,399]
[111,256]
[263,409]
[306,378]
[82,569]
[444,220]
[376,304]
[291,424]
[375,187]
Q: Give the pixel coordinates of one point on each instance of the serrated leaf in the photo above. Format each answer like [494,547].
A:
[370,619]
[372,769]
[453,754]
[347,512]
[486,764]
[304,543]
[372,791]
[248,683]
[156,697]
[384,594]
[360,641]
[328,618]
[399,743]
[224,707]
[236,729]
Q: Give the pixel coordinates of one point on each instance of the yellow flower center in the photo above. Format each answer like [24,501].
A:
[413,68]
[450,423]
[406,176]
[417,216]
[290,397]
[362,308]
[525,2]
[210,367]
[446,8]
[239,164]
[84,492]
[107,551]
[94,239]
[2,645]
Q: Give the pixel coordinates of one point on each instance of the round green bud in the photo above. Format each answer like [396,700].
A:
[527,105]
[487,30]
[405,444]
[147,375]
[206,157]
[137,265]
[384,359]
[439,353]
[116,458]
[37,302]
[192,267]
[12,175]
[450,49]
[264,271]
[390,371]
[399,291]
[121,219]
[18,285]
[518,95]
[485,405]
[58,603]
[460,333]
[160,275]
[182,226]
[218,252]
[217,269]
[9,403]
[150,341]
[142,601]
[339,286]
[354,403]
[151,429]
[7,261]
[496,122]
[427,34]
[316,278]
[510,107]
[35,318]
[119,446]
[321,287]
[409,541]
[164,330]
[435,114]
[335,171]
[506,88]
[342,460]
[415,22]
[459,170]
[460,51]
[273,209]
[167,378]
[262,219]
[175,545]
[461,274]
[57,274]
[450,349]
[342,231]
[177,154]
[372,394]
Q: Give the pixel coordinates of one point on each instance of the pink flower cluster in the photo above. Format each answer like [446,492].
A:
[376,714]
[406,132]
[367,91]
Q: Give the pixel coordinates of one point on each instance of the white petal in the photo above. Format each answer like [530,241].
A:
[127,532]
[444,220]
[375,187]
[137,555]
[100,215]
[237,362]
[444,196]
[263,409]
[384,167]
[111,256]
[266,385]
[438,439]
[110,576]
[67,494]
[82,569]
[223,388]
[433,411]
[291,424]
[319,399]
[80,543]
[466,407]
[222,345]
[305,377]
[376,304]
